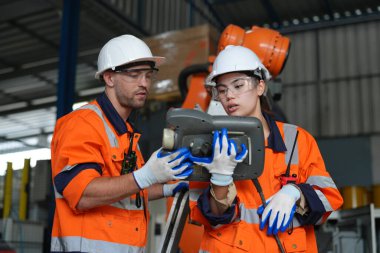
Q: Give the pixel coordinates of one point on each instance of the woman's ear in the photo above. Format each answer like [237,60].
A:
[261,87]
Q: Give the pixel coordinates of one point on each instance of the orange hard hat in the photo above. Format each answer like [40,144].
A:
[269,45]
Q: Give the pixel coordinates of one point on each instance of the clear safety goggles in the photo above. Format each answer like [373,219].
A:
[237,87]
[137,75]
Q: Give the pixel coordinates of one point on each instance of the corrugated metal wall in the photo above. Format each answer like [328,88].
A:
[158,16]
[331,83]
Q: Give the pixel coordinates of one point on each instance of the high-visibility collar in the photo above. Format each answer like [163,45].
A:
[275,140]
[109,110]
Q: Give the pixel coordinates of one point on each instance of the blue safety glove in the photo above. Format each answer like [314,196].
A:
[163,167]
[279,210]
[169,190]
[224,159]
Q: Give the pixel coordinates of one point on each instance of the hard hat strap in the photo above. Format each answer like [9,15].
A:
[259,73]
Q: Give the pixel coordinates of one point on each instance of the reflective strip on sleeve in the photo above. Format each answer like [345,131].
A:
[111,136]
[320,221]
[321,181]
[324,201]
[57,194]
[290,132]
[63,178]
[128,204]
[82,166]
[250,216]
[81,244]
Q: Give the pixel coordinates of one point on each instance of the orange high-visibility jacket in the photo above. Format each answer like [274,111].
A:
[239,231]
[88,143]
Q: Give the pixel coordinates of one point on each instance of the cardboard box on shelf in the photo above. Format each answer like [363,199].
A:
[181,48]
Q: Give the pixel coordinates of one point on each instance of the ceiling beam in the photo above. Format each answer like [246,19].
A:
[88,57]
[224,1]
[26,145]
[103,5]
[33,34]
[17,9]
[204,15]
[214,14]
[269,8]
[330,23]
[30,106]
[327,7]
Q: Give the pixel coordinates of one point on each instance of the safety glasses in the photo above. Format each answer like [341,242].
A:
[136,75]
[237,87]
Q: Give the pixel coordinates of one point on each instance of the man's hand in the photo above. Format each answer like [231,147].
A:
[280,209]
[169,190]
[161,168]
[224,159]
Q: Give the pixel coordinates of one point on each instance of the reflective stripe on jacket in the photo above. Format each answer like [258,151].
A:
[89,143]
[243,234]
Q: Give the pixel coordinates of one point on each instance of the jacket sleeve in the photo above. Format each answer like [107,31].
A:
[316,184]
[76,159]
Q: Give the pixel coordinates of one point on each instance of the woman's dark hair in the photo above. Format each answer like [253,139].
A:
[264,101]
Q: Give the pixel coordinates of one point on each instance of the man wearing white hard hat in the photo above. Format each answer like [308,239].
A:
[101,181]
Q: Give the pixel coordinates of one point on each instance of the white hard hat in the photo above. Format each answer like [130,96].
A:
[235,59]
[123,50]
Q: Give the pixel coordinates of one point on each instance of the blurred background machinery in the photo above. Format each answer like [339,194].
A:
[25,207]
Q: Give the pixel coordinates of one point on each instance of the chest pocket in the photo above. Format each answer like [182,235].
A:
[117,157]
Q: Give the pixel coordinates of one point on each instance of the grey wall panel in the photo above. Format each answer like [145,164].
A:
[375,147]
[342,67]
[348,160]
[365,100]
[301,64]
[340,108]
[375,88]
[350,107]
[373,40]
[346,50]
[347,54]
[327,53]
[301,102]
[327,98]
[312,109]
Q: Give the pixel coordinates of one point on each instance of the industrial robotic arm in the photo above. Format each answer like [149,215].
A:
[269,45]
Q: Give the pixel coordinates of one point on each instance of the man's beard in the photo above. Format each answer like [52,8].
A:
[130,101]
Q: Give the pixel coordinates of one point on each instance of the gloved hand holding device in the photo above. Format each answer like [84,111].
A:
[224,159]
[163,167]
[280,209]
[169,190]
